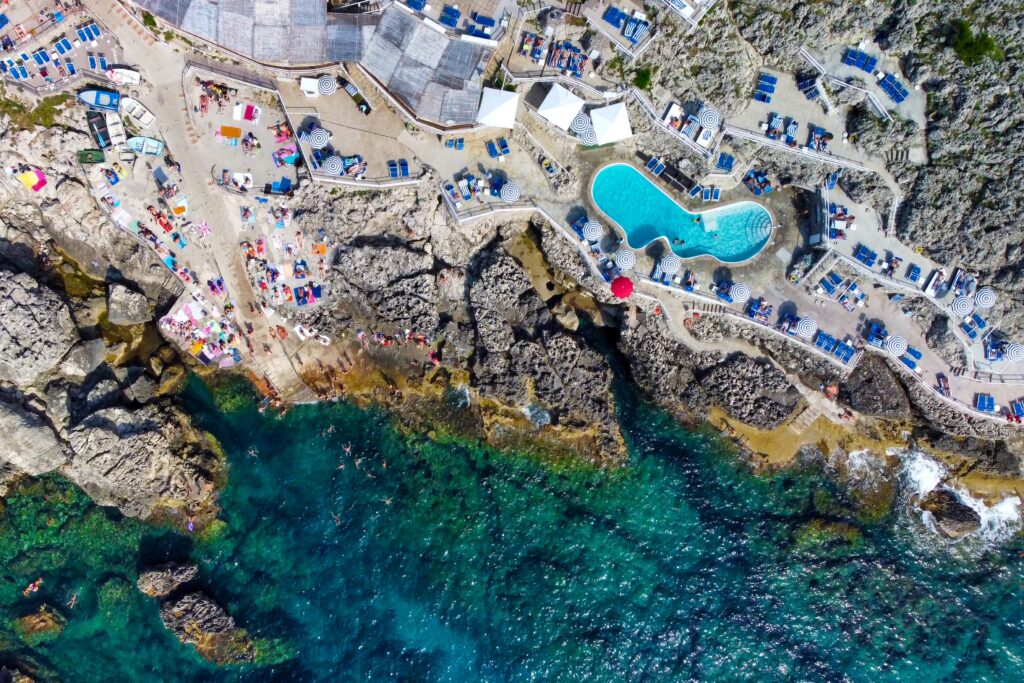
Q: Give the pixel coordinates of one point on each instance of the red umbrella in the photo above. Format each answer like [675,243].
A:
[622,287]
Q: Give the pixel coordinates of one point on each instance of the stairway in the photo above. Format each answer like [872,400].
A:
[574,8]
[894,156]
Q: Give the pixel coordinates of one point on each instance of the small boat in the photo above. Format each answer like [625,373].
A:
[115,128]
[120,74]
[91,156]
[141,145]
[137,112]
[105,100]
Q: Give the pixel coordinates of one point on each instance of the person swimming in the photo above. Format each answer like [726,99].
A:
[32,587]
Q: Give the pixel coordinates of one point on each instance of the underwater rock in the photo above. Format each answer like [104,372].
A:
[41,626]
[197,620]
[952,518]
[162,580]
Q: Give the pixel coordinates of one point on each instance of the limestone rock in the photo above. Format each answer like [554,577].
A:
[751,390]
[952,518]
[125,307]
[83,359]
[197,620]
[29,443]
[36,329]
[872,389]
[162,580]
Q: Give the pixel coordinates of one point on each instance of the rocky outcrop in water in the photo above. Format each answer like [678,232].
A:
[952,518]
[197,620]
[162,580]
[751,390]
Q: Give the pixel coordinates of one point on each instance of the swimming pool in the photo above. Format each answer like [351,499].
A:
[731,233]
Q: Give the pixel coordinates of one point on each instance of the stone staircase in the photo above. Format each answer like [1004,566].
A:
[897,156]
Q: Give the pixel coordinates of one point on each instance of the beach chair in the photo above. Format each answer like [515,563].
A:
[103,62]
[503,146]
[706,195]
[969,331]
[695,190]
[762,97]
[652,164]
[94,31]
[914,273]
[492,150]
[716,194]
[450,143]
[92,61]
[979,321]
[460,144]
[914,353]
[393,169]
[403,168]
[660,169]
[1018,408]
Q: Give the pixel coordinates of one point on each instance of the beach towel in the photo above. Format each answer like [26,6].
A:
[236,113]
[252,113]
[33,180]
[230,132]
[319,249]
[160,175]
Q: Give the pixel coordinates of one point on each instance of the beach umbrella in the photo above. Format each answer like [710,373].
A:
[622,287]
[806,327]
[510,192]
[593,231]
[319,138]
[671,264]
[580,123]
[962,306]
[985,298]
[327,85]
[896,345]
[333,165]
[588,137]
[740,292]
[1014,352]
[625,259]
[709,117]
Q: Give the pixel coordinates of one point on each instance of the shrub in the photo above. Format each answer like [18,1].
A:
[148,20]
[972,47]
[642,77]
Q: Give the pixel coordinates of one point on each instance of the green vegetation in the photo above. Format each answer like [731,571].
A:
[168,36]
[616,64]
[972,47]
[149,21]
[44,114]
[642,77]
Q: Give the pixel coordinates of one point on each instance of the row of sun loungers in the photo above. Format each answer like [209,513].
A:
[893,88]
[985,403]
[655,166]
[973,325]
[765,87]
[565,56]
[860,60]
[866,256]
[807,84]
[450,16]
[634,28]
[499,150]
[398,169]
[455,143]
[832,346]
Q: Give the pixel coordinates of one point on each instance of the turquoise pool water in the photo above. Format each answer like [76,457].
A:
[731,233]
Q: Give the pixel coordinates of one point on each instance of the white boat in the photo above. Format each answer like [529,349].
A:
[150,146]
[115,128]
[137,112]
[124,76]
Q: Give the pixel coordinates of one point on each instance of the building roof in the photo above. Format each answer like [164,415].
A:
[498,108]
[560,106]
[438,76]
[611,123]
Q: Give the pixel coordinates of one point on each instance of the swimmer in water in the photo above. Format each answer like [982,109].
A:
[330,429]
[73,600]
[33,587]
[253,452]
[348,449]
[336,518]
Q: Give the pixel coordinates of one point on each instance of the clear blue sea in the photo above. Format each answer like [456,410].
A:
[731,232]
[443,561]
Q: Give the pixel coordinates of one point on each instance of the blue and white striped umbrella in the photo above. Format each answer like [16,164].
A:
[985,298]
[319,138]
[896,345]
[671,264]
[962,306]
[806,327]
[510,192]
[588,137]
[1014,352]
[625,259]
[327,85]
[333,165]
[709,117]
[740,292]
[580,123]
[593,231]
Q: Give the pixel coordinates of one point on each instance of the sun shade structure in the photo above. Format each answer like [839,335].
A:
[671,264]
[611,123]
[625,259]
[740,292]
[962,306]
[498,108]
[897,346]
[560,107]
[622,287]
[436,74]
[1014,352]
[593,231]
[510,192]
[985,298]
[806,327]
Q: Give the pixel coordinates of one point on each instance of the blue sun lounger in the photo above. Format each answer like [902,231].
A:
[503,146]
[911,351]
[403,168]
[762,97]
[706,195]
[460,144]
[985,403]
[914,273]
[103,62]
[71,67]
[969,331]
[909,362]
[695,190]
[23,72]
[978,321]
[492,150]
[92,61]
[660,169]
[652,164]
[393,169]
[1018,409]
[93,30]
[716,194]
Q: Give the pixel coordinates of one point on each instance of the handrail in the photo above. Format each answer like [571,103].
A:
[801,151]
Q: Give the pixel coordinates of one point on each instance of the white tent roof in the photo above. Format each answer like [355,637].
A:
[560,106]
[498,108]
[611,123]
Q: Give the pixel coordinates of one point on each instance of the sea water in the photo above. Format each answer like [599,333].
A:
[411,559]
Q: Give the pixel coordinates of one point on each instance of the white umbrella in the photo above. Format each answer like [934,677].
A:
[962,306]
[510,192]
[588,137]
[1014,352]
[740,292]
[580,123]
[985,298]
[806,327]
[625,259]
[333,165]
[327,85]
[593,231]
[319,138]
[896,345]
[709,117]
[671,264]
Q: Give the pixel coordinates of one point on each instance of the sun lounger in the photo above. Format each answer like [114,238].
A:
[659,170]
[978,321]
[1018,408]
[460,143]
[914,353]
[83,35]
[652,164]
[503,146]
[706,195]
[909,362]
[914,273]
[768,78]
[403,168]
[716,194]
[103,62]
[969,331]
[695,190]
[492,150]
[393,169]
[762,97]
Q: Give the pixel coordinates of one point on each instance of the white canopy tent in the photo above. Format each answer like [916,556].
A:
[560,107]
[611,123]
[498,108]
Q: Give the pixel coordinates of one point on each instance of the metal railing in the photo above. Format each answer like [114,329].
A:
[801,151]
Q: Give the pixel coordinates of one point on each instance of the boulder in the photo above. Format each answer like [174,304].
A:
[872,389]
[952,518]
[83,359]
[30,445]
[125,307]
[197,620]
[162,580]
[36,329]
[751,390]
